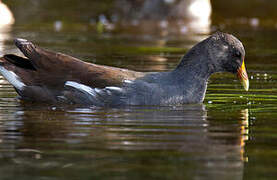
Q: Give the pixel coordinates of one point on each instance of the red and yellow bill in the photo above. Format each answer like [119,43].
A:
[242,74]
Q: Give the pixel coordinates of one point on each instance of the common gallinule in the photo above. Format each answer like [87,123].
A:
[51,77]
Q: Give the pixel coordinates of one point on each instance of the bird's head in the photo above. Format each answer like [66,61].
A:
[227,54]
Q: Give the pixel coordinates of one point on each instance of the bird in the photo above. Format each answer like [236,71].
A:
[56,78]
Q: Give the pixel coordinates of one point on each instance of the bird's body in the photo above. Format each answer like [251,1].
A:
[50,77]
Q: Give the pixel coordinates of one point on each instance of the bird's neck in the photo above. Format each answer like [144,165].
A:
[195,66]
[193,73]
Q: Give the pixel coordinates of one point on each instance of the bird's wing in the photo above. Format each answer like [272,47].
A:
[45,73]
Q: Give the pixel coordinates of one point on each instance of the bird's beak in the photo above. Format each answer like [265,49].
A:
[242,75]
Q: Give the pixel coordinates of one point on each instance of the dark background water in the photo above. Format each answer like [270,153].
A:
[231,136]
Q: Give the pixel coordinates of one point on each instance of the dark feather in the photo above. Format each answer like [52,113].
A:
[20,61]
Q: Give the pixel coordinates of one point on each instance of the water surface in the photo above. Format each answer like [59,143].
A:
[230,136]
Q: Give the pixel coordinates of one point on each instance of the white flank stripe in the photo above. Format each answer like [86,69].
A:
[113,88]
[96,92]
[128,81]
[80,87]
[22,40]
[12,78]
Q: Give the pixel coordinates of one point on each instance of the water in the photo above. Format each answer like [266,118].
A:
[232,135]
[135,142]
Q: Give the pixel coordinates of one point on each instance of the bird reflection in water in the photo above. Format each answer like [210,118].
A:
[244,131]
[186,134]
